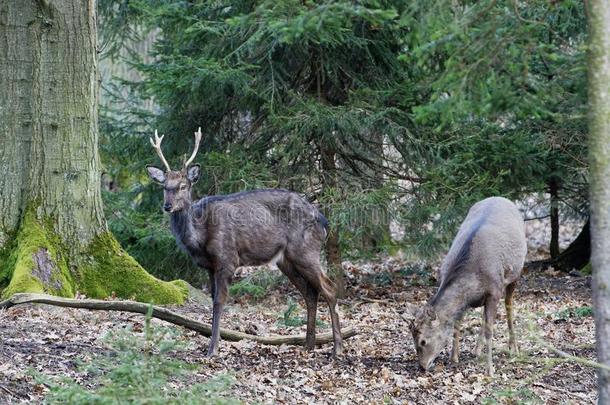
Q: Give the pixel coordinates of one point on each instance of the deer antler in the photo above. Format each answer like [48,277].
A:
[197,140]
[157,145]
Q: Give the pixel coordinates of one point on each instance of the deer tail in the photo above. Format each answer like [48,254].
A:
[323,221]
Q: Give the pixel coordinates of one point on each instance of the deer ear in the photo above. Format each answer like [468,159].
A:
[193,172]
[156,174]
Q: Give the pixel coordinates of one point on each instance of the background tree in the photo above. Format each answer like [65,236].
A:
[303,89]
[500,108]
[53,236]
[599,152]
[412,110]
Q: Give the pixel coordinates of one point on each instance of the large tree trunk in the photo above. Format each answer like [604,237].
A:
[599,155]
[53,236]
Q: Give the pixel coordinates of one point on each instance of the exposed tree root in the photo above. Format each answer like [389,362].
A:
[168,316]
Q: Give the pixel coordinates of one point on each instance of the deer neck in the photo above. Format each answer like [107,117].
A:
[449,302]
[182,226]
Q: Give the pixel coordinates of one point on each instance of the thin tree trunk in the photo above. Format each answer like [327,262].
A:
[333,250]
[599,154]
[376,223]
[53,235]
[578,254]
[554,191]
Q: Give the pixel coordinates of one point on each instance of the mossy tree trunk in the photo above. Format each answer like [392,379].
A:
[53,235]
[599,155]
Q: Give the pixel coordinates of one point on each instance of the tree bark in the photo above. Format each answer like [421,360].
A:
[168,316]
[577,255]
[332,248]
[554,191]
[599,155]
[53,235]
[49,116]
[376,222]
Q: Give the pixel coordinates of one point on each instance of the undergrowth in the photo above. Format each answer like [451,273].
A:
[584,311]
[137,369]
[256,285]
[290,317]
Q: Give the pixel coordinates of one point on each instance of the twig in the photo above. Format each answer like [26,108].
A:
[9,391]
[555,388]
[576,359]
[168,316]
[365,300]
[537,218]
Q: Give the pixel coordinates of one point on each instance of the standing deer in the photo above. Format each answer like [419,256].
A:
[251,228]
[484,263]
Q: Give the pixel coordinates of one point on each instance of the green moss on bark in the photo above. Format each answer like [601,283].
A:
[6,263]
[109,269]
[37,261]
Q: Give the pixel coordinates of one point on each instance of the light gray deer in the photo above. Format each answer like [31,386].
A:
[251,228]
[483,264]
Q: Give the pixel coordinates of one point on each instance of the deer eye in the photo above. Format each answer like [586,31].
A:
[183,186]
[422,343]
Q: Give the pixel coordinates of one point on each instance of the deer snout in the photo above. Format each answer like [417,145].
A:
[167,207]
[425,365]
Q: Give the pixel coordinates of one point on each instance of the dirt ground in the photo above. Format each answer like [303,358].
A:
[379,364]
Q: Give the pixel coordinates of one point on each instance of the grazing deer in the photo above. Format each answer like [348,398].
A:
[251,228]
[484,263]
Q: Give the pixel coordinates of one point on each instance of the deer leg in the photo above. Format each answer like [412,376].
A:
[322,284]
[311,300]
[491,308]
[508,302]
[329,294]
[212,283]
[221,290]
[481,339]
[455,351]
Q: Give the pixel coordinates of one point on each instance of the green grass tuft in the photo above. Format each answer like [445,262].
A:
[138,369]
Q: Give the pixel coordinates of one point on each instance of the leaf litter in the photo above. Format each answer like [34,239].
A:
[379,365]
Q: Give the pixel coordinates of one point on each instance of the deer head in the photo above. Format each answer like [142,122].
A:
[176,184]
[430,331]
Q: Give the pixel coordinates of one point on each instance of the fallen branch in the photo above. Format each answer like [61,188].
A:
[168,316]
[5,389]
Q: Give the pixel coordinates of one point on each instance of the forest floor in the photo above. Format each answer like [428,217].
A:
[379,364]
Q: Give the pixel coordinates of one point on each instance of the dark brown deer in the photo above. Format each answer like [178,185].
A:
[251,228]
[484,263]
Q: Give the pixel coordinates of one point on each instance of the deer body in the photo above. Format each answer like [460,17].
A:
[252,228]
[208,228]
[483,265]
